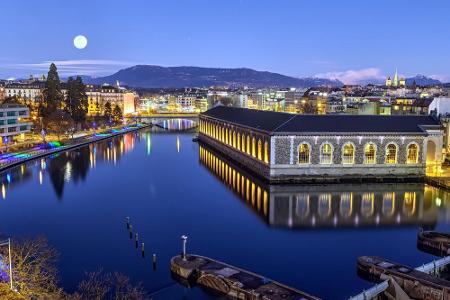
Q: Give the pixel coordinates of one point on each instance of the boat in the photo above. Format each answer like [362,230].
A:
[433,242]
[229,280]
[416,284]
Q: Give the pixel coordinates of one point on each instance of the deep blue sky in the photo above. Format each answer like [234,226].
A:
[294,37]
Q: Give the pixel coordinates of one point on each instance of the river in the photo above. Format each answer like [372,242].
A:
[305,236]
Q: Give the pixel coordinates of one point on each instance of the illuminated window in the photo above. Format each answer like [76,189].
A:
[266,152]
[243,143]
[370,153]
[248,145]
[326,154]
[238,141]
[254,147]
[260,150]
[223,135]
[230,138]
[226,136]
[412,154]
[348,154]
[234,139]
[303,154]
[391,154]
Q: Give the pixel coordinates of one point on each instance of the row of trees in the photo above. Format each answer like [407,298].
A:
[64,113]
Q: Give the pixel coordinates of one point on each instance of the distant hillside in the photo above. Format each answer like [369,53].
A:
[422,80]
[147,76]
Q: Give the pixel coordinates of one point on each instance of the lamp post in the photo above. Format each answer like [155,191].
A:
[184,239]
[4,243]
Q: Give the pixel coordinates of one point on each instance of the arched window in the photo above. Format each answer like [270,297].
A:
[370,153]
[254,147]
[412,154]
[223,135]
[348,154]
[238,141]
[234,139]
[391,154]
[260,150]
[248,145]
[326,154]
[243,143]
[303,153]
[266,152]
[230,138]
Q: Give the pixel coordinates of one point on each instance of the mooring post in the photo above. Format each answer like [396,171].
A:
[184,239]
[154,261]
[128,222]
[136,239]
[131,231]
[142,250]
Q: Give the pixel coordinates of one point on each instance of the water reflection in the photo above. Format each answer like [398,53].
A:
[329,205]
[177,124]
[74,165]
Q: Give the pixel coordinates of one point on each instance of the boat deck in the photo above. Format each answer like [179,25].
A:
[231,280]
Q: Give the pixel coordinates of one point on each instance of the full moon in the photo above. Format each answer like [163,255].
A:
[80,42]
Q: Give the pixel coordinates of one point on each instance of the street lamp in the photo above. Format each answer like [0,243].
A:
[184,239]
[4,243]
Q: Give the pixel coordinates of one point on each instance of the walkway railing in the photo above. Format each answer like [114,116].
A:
[376,290]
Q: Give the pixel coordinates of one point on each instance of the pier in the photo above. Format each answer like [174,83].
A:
[230,280]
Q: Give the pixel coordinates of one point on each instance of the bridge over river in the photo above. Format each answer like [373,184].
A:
[172,122]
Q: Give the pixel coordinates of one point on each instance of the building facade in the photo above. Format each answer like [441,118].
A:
[12,121]
[286,147]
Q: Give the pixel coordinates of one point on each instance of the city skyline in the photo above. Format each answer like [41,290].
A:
[300,39]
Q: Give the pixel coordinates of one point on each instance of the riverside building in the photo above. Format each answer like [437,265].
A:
[285,147]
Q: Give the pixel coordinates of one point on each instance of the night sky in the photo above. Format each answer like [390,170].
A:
[348,39]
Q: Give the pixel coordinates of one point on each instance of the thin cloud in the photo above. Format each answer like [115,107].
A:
[354,76]
[441,77]
[73,67]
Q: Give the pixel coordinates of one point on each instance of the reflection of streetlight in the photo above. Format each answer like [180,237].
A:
[4,243]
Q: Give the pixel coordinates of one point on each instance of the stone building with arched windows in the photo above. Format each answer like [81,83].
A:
[286,147]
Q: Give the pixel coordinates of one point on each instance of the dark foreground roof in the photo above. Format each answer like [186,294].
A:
[274,122]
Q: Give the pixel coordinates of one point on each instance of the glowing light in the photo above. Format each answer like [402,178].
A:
[178,144]
[149,144]
[8,178]
[3,191]
[40,177]
[80,42]
[438,201]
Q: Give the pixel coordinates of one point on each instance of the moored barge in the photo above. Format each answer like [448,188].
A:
[231,281]
[436,243]
[415,284]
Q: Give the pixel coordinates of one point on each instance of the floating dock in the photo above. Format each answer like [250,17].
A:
[231,281]
[434,242]
[414,282]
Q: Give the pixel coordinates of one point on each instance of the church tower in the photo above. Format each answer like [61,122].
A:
[395,83]
[389,81]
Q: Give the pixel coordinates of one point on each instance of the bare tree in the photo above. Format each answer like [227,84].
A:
[308,108]
[34,270]
[99,286]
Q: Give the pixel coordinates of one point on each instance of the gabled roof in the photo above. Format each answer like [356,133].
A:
[274,122]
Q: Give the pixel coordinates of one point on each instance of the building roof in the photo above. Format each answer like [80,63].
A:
[278,123]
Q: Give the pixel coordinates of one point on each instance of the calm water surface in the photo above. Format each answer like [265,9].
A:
[305,236]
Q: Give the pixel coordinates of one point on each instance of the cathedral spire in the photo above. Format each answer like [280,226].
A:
[395,83]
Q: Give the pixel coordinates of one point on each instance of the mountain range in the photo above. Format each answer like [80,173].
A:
[149,76]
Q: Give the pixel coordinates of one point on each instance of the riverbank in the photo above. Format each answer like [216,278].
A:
[15,159]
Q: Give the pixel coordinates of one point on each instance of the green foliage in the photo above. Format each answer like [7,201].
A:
[59,123]
[76,102]
[52,92]
[117,114]
[107,110]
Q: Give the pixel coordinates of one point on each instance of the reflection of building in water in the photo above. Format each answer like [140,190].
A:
[328,205]
[69,166]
